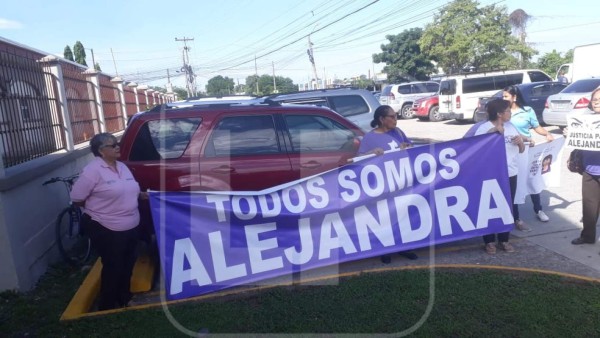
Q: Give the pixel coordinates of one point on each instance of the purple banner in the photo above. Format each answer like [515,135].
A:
[399,201]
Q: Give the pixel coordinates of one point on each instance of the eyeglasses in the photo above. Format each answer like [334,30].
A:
[114,145]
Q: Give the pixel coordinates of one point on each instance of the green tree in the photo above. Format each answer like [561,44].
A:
[79,53]
[464,35]
[265,85]
[362,82]
[181,92]
[97,67]
[68,54]
[251,85]
[220,85]
[550,62]
[403,58]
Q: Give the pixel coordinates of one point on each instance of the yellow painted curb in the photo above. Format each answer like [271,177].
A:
[85,295]
[81,303]
[143,274]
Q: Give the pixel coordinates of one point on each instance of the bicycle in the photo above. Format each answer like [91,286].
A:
[74,245]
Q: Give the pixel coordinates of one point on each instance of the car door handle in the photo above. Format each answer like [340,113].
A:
[310,165]
[224,169]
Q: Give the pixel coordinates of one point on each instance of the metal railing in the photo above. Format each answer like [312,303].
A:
[36,92]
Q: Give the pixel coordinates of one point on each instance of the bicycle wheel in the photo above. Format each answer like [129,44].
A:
[73,244]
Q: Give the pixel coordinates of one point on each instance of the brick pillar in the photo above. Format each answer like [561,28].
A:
[119,82]
[144,88]
[150,97]
[94,77]
[56,70]
[134,86]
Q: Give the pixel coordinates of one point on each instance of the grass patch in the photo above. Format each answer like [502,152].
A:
[466,303]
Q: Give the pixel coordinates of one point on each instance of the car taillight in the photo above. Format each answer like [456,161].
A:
[458,102]
[392,97]
[546,104]
[582,103]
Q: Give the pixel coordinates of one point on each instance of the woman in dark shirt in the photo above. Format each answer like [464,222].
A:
[590,186]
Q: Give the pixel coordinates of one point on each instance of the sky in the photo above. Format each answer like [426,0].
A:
[236,38]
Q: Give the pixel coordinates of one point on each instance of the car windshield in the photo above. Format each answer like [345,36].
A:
[582,86]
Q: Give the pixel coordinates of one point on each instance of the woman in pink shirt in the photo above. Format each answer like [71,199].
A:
[109,195]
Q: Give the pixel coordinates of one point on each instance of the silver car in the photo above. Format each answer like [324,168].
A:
[572,100]
[401,96]
[356,105]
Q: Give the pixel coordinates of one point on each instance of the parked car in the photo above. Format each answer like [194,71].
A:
[534,95]
[401,96]
[227,147]
[427,108]
[357,105]
[377,94]
[572,100]
[459,94]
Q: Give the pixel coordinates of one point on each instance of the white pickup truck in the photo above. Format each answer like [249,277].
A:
[585,63]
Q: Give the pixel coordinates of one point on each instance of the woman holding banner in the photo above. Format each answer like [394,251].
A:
[524,119]
[499,114]
[109,195]
[590,186]
[385,136]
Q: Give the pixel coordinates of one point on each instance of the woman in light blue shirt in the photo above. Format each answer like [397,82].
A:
[524,119]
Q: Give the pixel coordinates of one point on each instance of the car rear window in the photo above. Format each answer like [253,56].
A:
[386,91]
[348,105]
[242,136]
[163,139]
[448,87]
[582,86]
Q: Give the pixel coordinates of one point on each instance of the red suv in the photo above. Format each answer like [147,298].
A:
[427,108]
[234,146]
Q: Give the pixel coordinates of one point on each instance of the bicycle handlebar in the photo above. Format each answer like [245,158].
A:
[69,180]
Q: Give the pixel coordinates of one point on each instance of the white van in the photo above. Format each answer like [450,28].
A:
[459,94]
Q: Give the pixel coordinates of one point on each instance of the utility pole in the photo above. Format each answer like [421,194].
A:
[114,62]
[169,86]
[274,83]
[93,60]
[190,84]
[256,73]
[311,58]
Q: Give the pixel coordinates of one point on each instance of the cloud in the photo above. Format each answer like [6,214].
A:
[9,24]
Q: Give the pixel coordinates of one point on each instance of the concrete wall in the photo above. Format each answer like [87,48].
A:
[28,211]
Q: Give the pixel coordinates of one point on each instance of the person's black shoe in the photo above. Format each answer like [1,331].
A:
[386,259]
[580,240]
[408,254]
